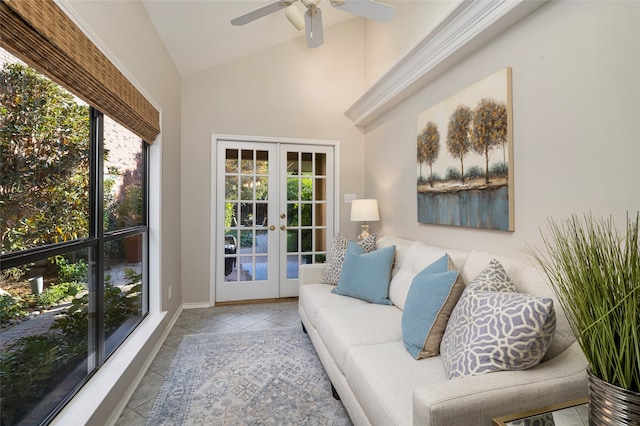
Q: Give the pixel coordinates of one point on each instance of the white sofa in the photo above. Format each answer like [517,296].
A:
[380,383]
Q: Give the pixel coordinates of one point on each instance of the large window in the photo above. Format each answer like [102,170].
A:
[73,228]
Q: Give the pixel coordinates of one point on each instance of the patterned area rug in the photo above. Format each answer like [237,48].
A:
[267,377]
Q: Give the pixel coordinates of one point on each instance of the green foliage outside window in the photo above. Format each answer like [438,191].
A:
[44,171]
[35,365]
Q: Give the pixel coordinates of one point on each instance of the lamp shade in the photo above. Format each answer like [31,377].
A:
[365,210]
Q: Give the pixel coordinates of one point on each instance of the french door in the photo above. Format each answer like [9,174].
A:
[275,210]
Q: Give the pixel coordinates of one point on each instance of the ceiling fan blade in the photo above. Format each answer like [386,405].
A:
[369,9]
[313,25]
[260,12]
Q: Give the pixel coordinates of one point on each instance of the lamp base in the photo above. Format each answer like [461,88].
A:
[364,232]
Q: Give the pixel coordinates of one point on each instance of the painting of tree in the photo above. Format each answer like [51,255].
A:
[470,182]
[458,135]
[489,129]
[428,147]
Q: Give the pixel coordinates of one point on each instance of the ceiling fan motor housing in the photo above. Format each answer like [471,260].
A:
[310,3]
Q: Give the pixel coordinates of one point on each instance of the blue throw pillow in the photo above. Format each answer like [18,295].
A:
[433,294]
[366,276]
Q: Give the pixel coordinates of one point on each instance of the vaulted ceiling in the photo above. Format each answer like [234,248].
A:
[198,34]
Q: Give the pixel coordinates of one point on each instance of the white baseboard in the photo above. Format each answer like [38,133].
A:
[195,305]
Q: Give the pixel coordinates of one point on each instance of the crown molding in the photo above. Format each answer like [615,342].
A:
[469,25]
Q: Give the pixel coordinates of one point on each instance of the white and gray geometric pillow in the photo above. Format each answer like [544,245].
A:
[492,278]
[493,327]
[335,256]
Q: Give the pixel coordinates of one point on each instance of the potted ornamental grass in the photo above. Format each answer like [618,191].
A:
[594,270]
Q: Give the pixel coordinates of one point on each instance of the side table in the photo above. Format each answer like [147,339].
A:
[570,413]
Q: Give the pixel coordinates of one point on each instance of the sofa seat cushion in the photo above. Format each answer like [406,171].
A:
[314,297]
[343,327]
[383,378]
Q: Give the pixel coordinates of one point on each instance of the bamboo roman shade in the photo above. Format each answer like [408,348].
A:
[38,32]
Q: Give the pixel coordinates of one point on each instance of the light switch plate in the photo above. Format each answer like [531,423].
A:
[348,198]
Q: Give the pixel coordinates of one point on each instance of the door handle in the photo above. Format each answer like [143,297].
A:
[272,228]
[283,227]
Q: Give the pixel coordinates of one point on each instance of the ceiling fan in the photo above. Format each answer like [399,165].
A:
[369,9]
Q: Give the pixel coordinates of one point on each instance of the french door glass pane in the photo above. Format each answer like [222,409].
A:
[321,164]
[244,268]
[231,161]
[292,266]
[292,163]
[307,163]
[246,163]
[231,187]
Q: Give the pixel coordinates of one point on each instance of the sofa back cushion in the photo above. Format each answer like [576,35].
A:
[402,246]
[415,258]
[527,279]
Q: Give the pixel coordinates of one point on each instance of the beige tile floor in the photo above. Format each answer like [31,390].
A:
[219,319]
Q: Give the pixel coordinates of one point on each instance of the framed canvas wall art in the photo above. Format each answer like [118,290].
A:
[465,157]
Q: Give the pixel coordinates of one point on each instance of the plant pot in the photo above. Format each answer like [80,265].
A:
[133,249]
[610,404]
[37,285]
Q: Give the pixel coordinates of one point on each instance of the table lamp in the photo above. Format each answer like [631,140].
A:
[365,210]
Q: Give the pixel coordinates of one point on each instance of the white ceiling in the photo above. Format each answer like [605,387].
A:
[198,34]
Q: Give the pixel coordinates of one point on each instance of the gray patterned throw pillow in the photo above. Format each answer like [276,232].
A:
[335,257]
[493,327]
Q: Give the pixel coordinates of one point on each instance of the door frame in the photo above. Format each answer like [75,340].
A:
[213,214]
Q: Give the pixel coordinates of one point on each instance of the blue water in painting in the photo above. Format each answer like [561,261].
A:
[474,208]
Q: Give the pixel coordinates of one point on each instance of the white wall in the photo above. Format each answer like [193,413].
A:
[576,104]
[284,91]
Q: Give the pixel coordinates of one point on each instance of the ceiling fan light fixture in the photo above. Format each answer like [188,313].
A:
[295,16]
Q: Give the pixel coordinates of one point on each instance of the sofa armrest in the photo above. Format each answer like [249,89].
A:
[477,400]
[311,273]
